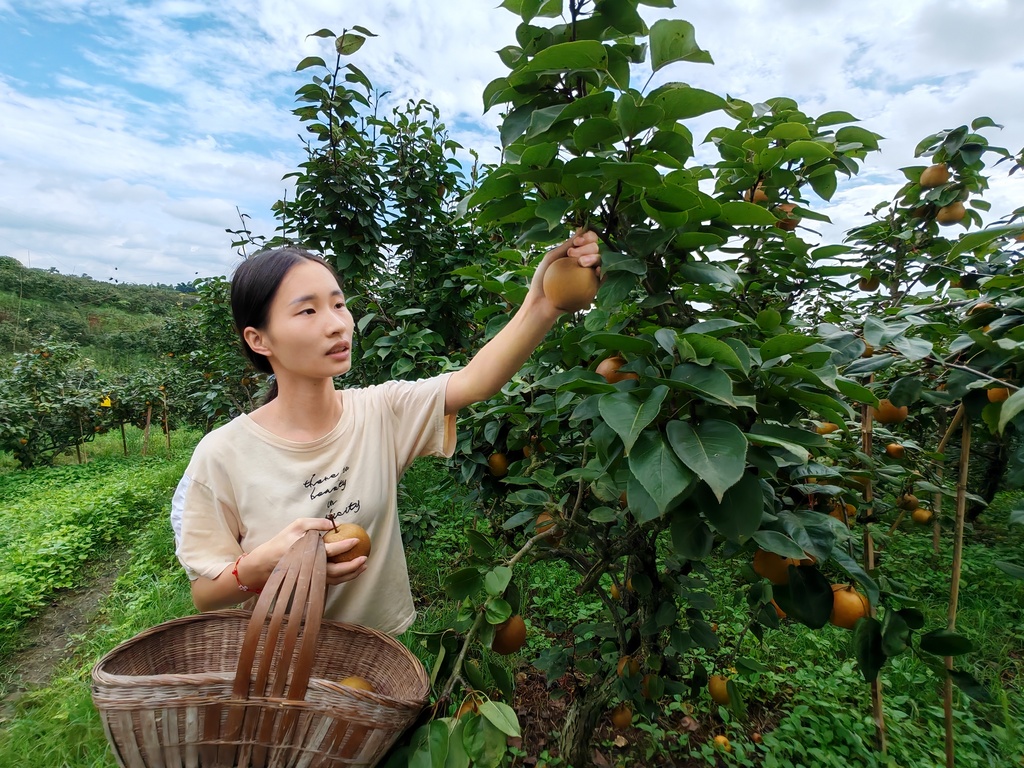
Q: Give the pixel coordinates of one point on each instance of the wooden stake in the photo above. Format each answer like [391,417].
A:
[954,589]
[167,431]
[145,430]
[937,496]
[81,439]
[124,440]
[866,426]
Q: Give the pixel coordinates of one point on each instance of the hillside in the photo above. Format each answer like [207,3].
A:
[103,318]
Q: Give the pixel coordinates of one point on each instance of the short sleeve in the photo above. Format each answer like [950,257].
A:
[420,424]
[206,530]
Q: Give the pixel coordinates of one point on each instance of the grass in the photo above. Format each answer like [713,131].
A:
[810,701]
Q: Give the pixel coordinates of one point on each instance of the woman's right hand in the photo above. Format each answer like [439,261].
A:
[264,558]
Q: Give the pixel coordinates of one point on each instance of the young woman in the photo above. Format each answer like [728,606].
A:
[257,484]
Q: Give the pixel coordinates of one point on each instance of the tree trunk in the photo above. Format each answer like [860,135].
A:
[581,720]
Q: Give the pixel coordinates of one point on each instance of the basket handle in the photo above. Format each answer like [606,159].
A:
[293,598]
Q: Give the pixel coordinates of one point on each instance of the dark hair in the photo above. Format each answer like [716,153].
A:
[253,287]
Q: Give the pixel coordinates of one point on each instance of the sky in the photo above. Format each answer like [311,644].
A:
[133,134]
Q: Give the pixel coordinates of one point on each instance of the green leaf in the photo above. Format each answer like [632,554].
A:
[867,646]
[497,611]
[799,454]
[680,101]
[711,383]
[854,134]
[430,746]
[895,634]
[779,543]
[502,717]
[833,118]
[807,598]
[808,151]
[622,15]
[691,536]
[654,464]
[628,415]
[716,451]
[1010,569]
[642,506]
[750,666]
[495,581]
[481,546]
[738,212]
[912,617]
[738,514]
[637,174]
[348,43]
[824,184]
[595,131]
[636,118]
[855,570]
[457,757]
[709,274]
[463,583]
[675,40]
[1009,409]
[528,496]
[553,210]
[966,682]
[789,132]
[912,348]
[942,642]
[708,347]
[620,342]
[310,61]
[484,742]
[984,122]
[569,57]
[855,391]
[786,344]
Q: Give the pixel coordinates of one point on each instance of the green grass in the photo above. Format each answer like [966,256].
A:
[58,725]
[811,701]
[55,522]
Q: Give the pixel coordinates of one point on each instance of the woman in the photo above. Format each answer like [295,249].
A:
[257,484]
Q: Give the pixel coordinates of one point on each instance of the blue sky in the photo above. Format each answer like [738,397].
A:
[132,132]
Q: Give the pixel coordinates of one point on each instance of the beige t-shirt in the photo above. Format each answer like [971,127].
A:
[244,484]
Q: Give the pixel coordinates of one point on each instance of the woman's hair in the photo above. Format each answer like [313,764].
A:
[253,287]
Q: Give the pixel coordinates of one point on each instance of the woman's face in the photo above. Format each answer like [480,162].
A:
[309,327]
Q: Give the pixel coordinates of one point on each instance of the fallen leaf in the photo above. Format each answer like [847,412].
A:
[689,724]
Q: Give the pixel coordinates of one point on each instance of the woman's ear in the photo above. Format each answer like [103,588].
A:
[255,341]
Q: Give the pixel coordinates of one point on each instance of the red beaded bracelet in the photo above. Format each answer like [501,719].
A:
[234,572]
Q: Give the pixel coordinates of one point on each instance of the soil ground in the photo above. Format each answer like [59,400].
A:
[50,638]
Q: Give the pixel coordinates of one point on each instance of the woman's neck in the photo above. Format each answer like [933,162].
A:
[303,410]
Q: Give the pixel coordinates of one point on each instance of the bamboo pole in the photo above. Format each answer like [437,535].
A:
[954,589]
[124,440]
[940,470]
[145,430]
[167,431]
[866,427]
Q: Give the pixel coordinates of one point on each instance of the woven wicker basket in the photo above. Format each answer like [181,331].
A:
[234,689]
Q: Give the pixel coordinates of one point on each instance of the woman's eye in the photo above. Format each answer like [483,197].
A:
[309,311]
[340,305]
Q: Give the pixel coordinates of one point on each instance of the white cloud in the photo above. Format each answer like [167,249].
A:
[155,123]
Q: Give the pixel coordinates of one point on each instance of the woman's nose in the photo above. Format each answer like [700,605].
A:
[339,322]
